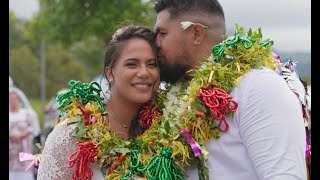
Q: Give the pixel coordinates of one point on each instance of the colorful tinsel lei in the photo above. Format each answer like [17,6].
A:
[178,123]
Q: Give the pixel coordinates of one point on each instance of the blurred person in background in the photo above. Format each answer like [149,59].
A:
[23,127]
[51,112]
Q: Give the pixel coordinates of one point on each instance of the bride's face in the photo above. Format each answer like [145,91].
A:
[135,75]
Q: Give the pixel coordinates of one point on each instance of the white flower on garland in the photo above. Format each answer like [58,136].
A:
[175,107]
[172,106]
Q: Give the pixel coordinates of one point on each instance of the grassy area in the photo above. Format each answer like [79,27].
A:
[36,104]
[306,78]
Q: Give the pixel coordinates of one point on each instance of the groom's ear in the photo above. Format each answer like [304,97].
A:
[198,33]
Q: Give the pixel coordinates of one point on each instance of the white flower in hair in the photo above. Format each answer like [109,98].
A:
[186,24]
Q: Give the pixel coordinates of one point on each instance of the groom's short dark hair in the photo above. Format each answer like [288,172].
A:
[177,8]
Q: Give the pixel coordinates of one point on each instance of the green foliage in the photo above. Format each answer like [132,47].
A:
[203,170]
[84,26]
[73,20]
[24,69]
[167,126]
[306,78]
[15,31]
[38,107]
[61,68]
[90,52]
[20,34]
[81,130]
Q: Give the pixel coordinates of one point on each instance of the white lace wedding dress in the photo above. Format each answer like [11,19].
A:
[59,145]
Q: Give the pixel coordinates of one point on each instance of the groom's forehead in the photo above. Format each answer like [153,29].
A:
[163,20]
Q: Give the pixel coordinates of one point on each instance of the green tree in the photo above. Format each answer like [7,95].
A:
[20,34]
[24,68]
[15,31]
[90,52]
[74,20]
[61,68]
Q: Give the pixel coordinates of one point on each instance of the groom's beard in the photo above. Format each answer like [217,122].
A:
[173,73]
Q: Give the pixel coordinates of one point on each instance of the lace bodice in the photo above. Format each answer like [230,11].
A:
[59,145]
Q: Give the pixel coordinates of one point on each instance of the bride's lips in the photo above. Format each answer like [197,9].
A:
[142,85]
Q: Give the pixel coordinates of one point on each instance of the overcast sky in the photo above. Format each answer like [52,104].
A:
[287,22]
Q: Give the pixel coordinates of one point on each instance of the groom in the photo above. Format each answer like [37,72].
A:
[265,137]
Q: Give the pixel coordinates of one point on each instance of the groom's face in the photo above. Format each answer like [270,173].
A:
[174,57]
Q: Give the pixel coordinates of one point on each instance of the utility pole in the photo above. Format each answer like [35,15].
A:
[43,72]
[42,63]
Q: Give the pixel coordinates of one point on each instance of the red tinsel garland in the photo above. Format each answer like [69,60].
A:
[220,103]
[146,114]
[82,157]
[86,113]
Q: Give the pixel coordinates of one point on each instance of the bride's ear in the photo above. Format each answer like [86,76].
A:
[109,74]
